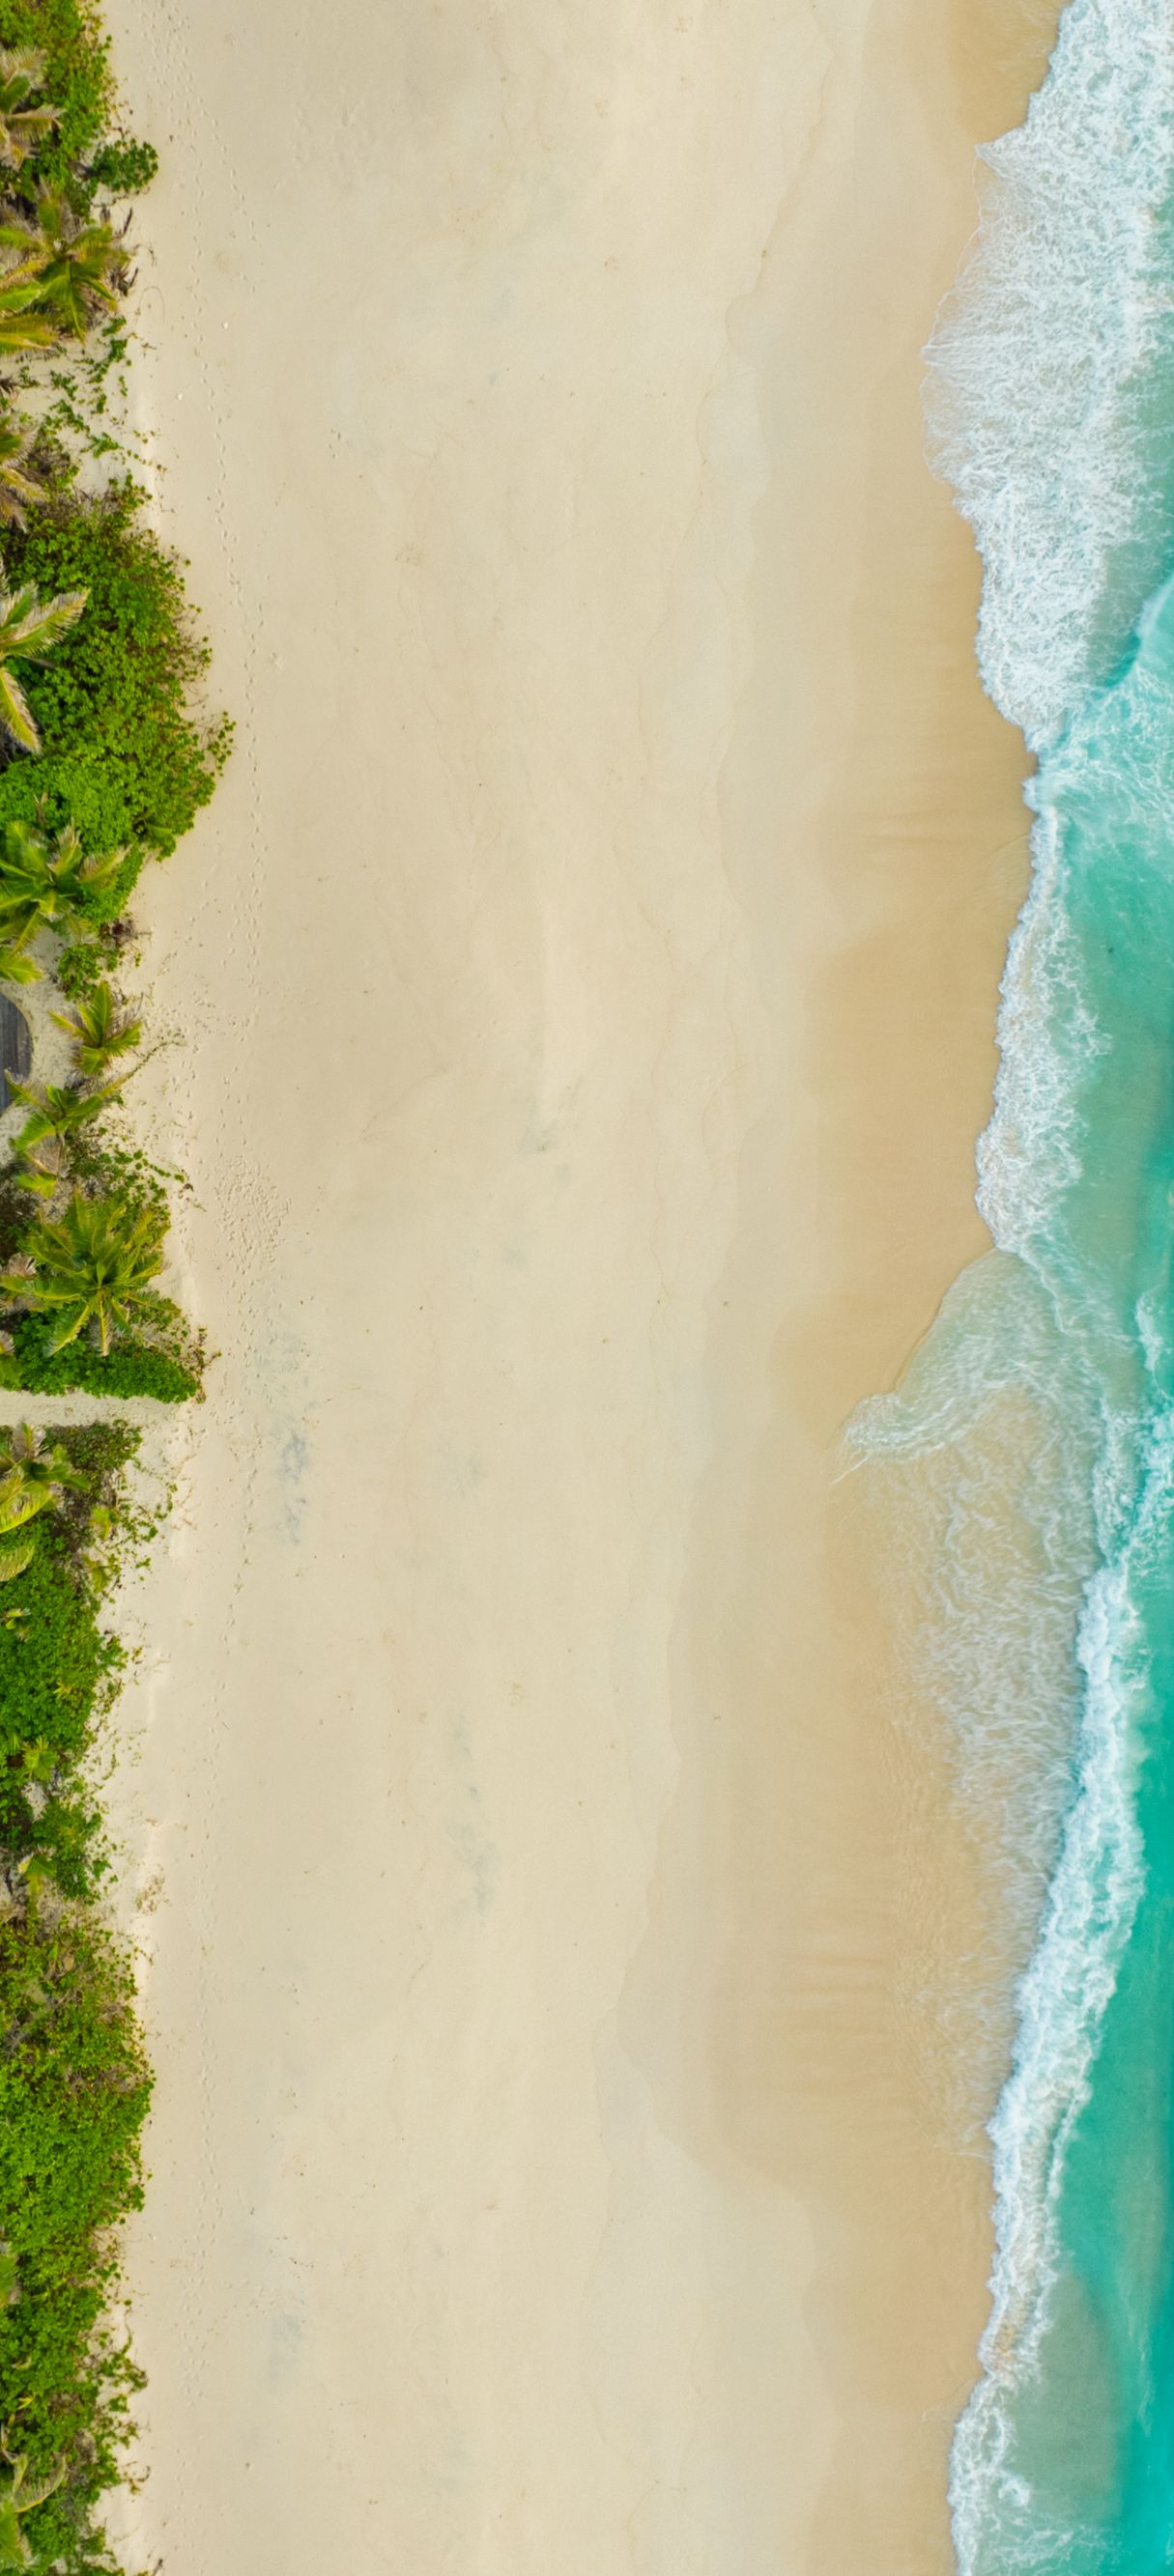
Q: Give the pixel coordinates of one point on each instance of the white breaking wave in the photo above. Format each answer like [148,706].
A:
[1028,1155]
[1046,356]
[1051,411]
[1091,1908]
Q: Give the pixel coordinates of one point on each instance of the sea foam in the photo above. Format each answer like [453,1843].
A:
[1051,357]
[1091,1907]
[1051,410]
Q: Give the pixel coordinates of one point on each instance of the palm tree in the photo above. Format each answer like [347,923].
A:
[21,327]
[17,1549]
[24,255]
[22,1500]
[19,2495]
[91,1266]
[15,967]
[44,1470]
[29,629]
[100,1031]
[74,269]
[41,1169]
[17,485]
[22,127]
[57,1109]
[48,882]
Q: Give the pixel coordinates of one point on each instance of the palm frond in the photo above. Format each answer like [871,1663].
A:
[31,2492]
[20,132]
[23,67]
[16,715]
[20,331]
[33,631]
[56,1110]
[17,1550]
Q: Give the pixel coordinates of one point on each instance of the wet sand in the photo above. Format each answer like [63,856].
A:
[589,974]
[874,805]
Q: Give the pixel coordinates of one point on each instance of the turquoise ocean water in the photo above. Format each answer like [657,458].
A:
[1051,399]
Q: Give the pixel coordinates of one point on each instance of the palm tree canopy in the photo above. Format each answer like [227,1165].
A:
[30,626]
[42,1465]
[17,485]
[100,1030]
[56,1109]
[42,1168]
[22,70]
[20,330]
[23,256]
[19,2493]
[29,629]
[73,269]
[47,881]
[15,967]
[21,1502]
[93,1265]
[17,1550]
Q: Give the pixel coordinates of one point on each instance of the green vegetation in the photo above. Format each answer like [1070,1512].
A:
[74,268]
[104,762]
[123,168]
[20,2494]
[78,1277]
[21,487]
[24,126]
[169,1371]
[124,760]
[73,2083]
[34,1478]
[101,1031]
[50,884]
[74,2090]
[58,1666]
[94,1264]
[29,629]
[76,80]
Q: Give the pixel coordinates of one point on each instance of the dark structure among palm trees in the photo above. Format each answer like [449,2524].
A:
[16,1047]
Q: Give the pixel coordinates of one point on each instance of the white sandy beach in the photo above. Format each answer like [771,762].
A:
[588,973]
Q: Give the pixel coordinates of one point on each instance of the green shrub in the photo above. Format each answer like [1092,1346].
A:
[131,1368]
[74,2091]
[74,2086]
[165,1359]
[124,168]
[84,963]
[58,1665]
[53,1660]
[56,1670]
[77,79]
[124,757]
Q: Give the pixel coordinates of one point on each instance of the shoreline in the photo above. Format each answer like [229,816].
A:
[630,1157]
[847,1902]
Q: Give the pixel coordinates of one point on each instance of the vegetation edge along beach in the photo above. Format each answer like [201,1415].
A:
[105,762]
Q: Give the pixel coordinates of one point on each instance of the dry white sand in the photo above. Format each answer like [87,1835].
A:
[535,394]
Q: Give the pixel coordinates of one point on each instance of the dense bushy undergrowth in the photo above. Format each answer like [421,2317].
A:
[77,79]
[58,1664]
[124,758]
[132,1368]
[82,153]
[74,2086]
[74,2090]
[162,1358]
[101,748]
